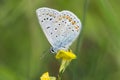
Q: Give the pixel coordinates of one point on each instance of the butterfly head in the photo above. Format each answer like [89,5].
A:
[52,50]
[55,50]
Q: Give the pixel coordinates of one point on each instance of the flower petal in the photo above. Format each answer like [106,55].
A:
[67,55]
[45,76]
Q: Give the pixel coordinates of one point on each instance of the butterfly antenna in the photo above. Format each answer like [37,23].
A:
[44,54]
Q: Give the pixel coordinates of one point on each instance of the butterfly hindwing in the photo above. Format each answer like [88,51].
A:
[72,27]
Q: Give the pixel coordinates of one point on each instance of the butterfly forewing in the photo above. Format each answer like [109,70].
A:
[47,18]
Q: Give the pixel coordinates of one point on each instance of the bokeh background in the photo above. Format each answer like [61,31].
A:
[24,48]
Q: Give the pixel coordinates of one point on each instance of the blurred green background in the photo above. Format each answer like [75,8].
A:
[23,45]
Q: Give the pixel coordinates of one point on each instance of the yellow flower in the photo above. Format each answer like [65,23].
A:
[46,76]
[66,55]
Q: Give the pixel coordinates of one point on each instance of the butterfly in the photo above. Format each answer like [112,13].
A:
[60,28]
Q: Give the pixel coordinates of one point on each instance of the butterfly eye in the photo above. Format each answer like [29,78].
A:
[51,50]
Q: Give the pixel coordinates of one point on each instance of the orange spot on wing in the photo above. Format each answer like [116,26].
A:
[70,19]
[60,18]
[50,15]
[63,16]
[73,22]
[77,27]
[67,17]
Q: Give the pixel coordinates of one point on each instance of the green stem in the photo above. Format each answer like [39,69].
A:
[63,66]
[59,76]
[78,46]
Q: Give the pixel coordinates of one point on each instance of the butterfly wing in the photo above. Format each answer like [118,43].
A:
[60,28]
[47,18]
[70,26]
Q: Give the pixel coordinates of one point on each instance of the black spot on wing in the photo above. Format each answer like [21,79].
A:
[42,21]
[50,19]
[48,27]
[69,28]
[55,28]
